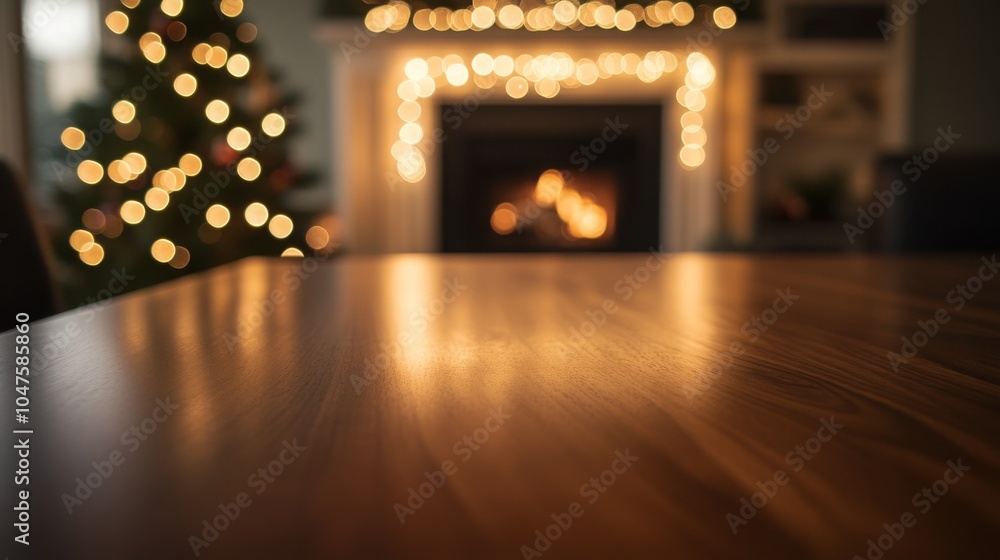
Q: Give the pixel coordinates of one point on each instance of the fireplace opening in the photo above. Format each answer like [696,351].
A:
[551,178]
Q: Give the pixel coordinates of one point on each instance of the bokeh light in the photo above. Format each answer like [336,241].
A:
[256,214]
[217,216]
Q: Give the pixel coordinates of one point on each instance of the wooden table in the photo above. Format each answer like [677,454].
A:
[558,370]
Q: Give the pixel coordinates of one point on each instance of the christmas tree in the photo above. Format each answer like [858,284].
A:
[183,164]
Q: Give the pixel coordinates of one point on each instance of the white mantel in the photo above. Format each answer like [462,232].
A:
[380,217]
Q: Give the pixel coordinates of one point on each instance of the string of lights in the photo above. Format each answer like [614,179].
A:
[540,15]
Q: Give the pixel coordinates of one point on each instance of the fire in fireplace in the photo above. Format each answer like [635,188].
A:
[552,178]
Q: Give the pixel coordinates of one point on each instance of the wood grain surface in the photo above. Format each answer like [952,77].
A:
[382,367]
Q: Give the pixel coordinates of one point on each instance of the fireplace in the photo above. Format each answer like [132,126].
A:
[406,163]
[567,177]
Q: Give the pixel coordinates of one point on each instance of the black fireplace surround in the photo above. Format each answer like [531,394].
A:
[490,150]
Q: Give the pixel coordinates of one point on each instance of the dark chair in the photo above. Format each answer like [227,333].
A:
[25,276]
[953,205]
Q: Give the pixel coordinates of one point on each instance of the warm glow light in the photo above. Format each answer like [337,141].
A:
[81,240]
[510,17]
[549,74]
[185,85]
[130,3]
[164,180]
[132,212]
[136,163]
[246,32]
[317,238]
[517,87]
[238,65]
[163,250]
[625,20]
[483,17]
[568,205]
[416,69]
[238,138]
[273,124]
[217,216]
[411,133]
[605,16]
[157,199]
[248,169]
[93,255]
[180,178]
[94,220]
[482,64]
[113,227]
[683,13]
[73,138]
[692,119]
[292,252]
[90,172]
[155,52]
[117,22]
[200,53]
[217,57]
[172,7]
[123,111]
[190,164]
[503,66]
[694,136]
[504,219]
[564,12]
[457,75]
[256,214]
[724,17]
[147,39]
[181,258]
[217,111]
[549,187]
[280,226]
[119,171]
[231,8]
[692,156]
[589,223]
[176,31]
[409,111]
[694,100]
